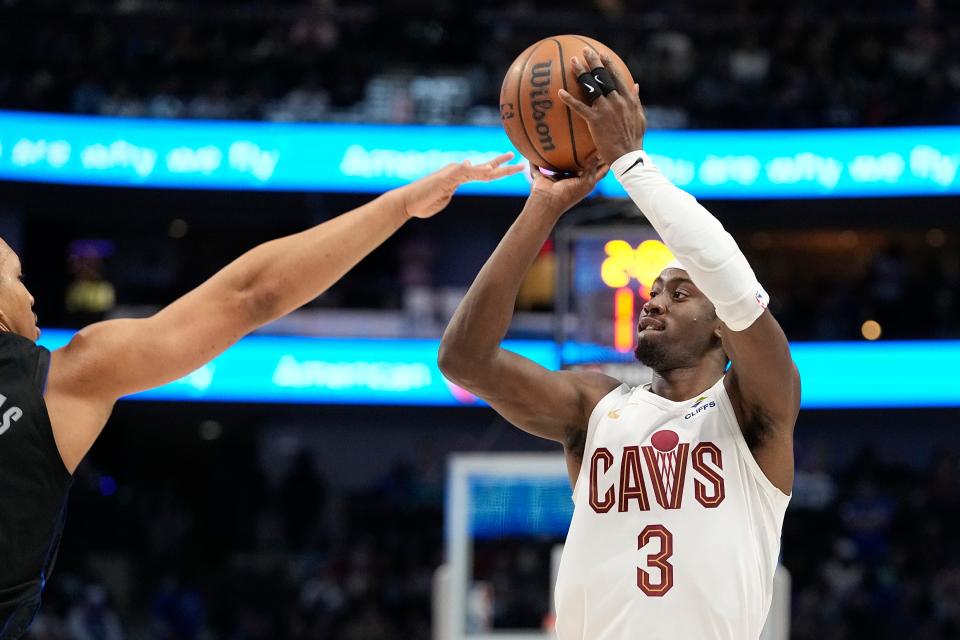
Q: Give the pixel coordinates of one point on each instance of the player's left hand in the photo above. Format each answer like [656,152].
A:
[616,120]
[430,194]
[560,193]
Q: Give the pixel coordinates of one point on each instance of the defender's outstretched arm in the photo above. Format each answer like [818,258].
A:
[115,358]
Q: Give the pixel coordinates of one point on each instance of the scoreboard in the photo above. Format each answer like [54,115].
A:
[604,278]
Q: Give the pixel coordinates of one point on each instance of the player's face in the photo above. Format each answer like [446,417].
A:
[678,325]
[16,303]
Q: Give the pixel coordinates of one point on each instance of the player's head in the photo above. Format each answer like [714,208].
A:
[16,303]
[678,325]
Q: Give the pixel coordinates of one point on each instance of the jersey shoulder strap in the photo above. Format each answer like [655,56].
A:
[24,360]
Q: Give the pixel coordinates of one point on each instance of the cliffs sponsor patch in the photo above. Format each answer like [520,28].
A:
[703,403]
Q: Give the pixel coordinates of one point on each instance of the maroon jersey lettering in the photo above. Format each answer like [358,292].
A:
[604,457]
[713,496]
[631,481]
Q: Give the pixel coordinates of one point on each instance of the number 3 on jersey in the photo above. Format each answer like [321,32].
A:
[656,561]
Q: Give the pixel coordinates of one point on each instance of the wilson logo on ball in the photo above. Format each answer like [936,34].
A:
[540,103]
[543,129]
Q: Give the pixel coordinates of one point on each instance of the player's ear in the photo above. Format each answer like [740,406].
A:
[5,322]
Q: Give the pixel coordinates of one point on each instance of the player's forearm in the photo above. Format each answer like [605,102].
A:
[698,240]
[284,274]
[481,321]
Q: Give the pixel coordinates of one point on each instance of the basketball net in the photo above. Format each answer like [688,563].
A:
[667,465]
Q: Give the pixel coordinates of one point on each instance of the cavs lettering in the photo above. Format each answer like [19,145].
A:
[655,474]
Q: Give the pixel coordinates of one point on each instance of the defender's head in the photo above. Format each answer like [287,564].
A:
[678,325]
[16,303]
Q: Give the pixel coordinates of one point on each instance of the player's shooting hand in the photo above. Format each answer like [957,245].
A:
[431,194]
[616,119]
[559,193]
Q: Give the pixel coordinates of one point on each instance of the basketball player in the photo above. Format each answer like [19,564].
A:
[54,405]
[680,485]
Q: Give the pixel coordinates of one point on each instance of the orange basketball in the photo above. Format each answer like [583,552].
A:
[543,129]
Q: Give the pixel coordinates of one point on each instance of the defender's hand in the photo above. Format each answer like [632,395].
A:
[429,195]
[616,120]
[560,194]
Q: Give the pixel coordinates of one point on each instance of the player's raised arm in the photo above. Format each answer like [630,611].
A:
[763,382]
[550,404]
[115,358]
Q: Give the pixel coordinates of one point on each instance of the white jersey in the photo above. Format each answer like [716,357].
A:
[676,530]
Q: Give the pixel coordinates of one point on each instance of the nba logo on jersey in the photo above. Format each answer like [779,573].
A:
[762,298]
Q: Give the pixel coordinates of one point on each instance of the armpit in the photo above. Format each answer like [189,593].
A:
[575,439]
[757,428]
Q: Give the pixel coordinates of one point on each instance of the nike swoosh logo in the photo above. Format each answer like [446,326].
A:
[590,88]
[599,81]
[638,161]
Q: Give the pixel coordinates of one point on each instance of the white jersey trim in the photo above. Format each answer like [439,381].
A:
[595,416]
[641,394]
[759,476]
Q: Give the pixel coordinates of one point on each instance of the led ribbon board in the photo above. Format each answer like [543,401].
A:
[836,375]
[324,371]
[193,154]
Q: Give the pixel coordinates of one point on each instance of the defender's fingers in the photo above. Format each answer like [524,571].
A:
[509,170]
[500,159]
[486,173]
[452,169]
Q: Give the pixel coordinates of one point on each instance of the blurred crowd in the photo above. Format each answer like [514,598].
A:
[699,63]
[911,293]
[226,552]
[871,550]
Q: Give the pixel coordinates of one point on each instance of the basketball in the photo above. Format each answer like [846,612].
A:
[543,129]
